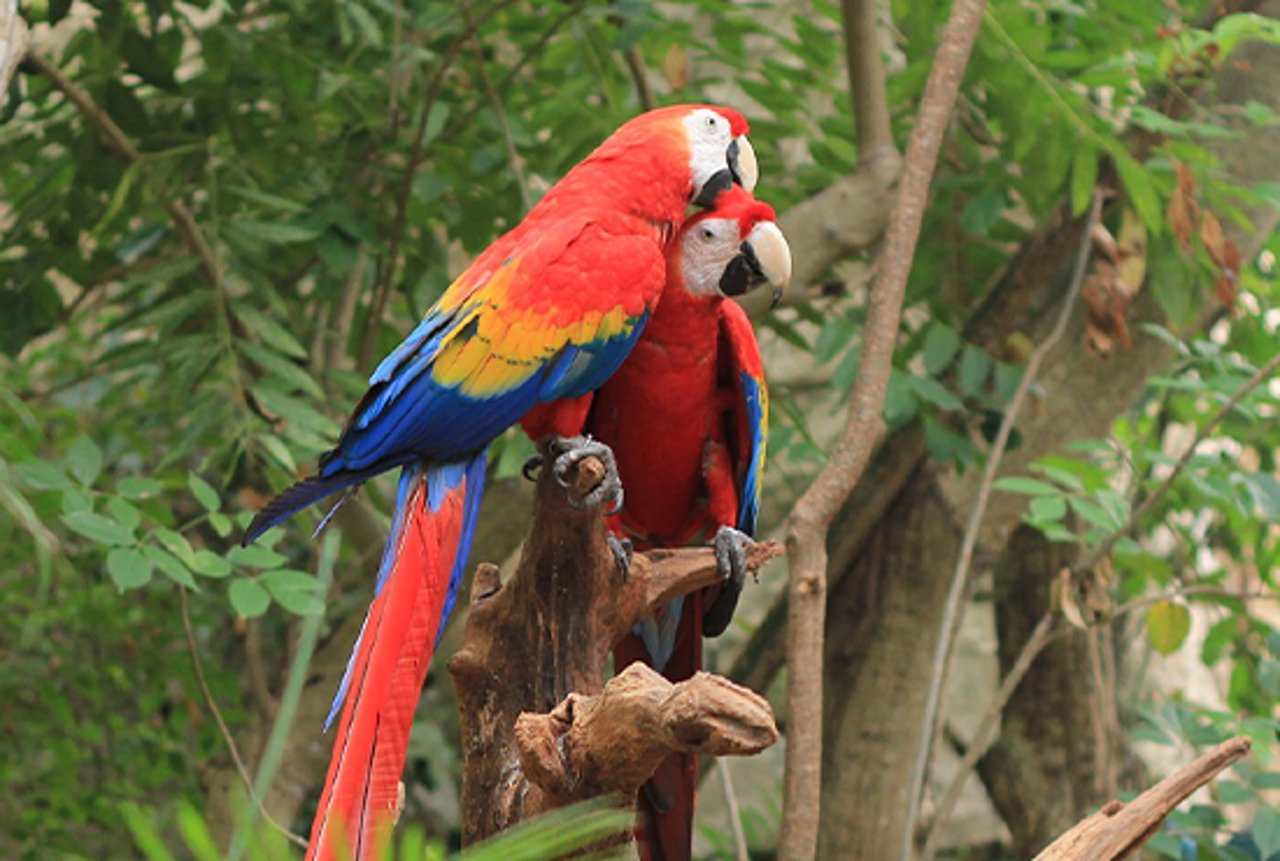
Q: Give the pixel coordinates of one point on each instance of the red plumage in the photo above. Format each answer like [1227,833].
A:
[675,417]
[539,319]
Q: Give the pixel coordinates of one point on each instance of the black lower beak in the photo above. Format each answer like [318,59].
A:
[743,274]
[721,180]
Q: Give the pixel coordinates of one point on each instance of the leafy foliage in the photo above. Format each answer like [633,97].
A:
[187,315]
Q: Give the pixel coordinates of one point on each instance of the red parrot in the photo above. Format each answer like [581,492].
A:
[542,317]
[686,416]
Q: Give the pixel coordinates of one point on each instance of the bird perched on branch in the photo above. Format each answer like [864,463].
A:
[686,416]
[540,319]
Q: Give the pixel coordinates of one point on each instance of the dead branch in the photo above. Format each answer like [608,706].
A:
[612,742]
[540,728]
[1118,829]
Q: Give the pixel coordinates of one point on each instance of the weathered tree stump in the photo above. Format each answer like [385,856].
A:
[541,728]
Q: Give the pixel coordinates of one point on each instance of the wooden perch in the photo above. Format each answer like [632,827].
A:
[1118,829]
[540,728]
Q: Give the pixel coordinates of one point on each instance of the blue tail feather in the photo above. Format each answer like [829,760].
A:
[441,480]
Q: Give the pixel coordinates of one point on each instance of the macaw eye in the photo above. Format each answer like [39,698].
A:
[711,122]
[708,233]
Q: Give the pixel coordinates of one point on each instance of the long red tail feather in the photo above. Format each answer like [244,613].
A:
[358,806]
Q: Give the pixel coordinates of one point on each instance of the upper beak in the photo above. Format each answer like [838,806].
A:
[740,168]
[764,258]
[742,162]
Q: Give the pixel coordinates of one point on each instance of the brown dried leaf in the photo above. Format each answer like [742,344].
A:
[1183,209]
[1212,237]
[675,67]
[1225,288]
[1062,597]
[1131,248]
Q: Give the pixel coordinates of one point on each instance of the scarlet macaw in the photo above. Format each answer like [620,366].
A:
[686,416]
[541,318]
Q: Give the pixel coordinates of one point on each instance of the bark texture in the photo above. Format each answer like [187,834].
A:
[540,727]
[879,641]
[1059,745]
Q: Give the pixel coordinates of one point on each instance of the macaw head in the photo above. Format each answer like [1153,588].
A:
[697,150]
[733,248]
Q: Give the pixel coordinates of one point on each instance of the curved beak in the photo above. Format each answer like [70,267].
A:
[764,258]
[740,168]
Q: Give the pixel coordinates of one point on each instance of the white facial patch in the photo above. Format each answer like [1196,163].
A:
[706,250]
[709,137]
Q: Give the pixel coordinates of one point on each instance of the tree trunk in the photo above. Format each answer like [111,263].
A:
[880,634]
[1060,739]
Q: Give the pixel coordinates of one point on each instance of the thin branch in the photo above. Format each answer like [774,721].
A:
[387,273]
[500,113]
[866,79]
[1042,635]
[951,613]
[118,141]
[812,515]
[1104,549]
[635,65]
[741,850]
[232,748]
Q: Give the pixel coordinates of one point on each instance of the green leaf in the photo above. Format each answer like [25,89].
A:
[975,367]
[275,232]
[42,475]
[203,492]
[940,347]
[210,564]
[1048,508]
[1024,485]
[138,487]
[255,556]
[248,598]
[931,391]
[84,459]
[1266,831]
[221,524]
[128,567]
[176,544]
[124,513]
[271,333]
[170,565]
[146,836]
[277,449]
[1168,624]
[1266,780]
[296,591]
[1140,191]
[1084,176]
[101,529]
[1234,792]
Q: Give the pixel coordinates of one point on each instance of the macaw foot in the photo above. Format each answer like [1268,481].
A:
[623,550]
[731,557]
[568,452]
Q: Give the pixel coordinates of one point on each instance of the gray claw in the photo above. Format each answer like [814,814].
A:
[731,557]
[531,467]
[569,452]
[623,550]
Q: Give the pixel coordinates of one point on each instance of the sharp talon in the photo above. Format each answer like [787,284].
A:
[569,452]
[731,558]
[531,467]
[623,550]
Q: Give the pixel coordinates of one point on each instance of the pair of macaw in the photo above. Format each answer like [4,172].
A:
[601,314]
